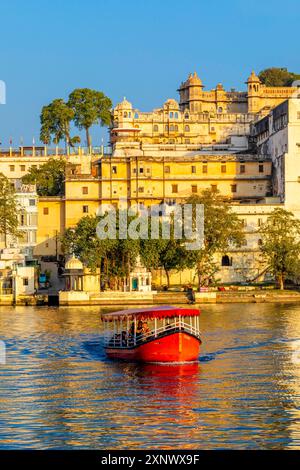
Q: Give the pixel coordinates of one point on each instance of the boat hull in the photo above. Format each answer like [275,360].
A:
[176,347]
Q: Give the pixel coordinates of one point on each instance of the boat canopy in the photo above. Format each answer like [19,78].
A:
[151,312]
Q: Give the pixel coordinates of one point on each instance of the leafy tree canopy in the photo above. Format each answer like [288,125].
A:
[222,230]
[89,107]
[9,209]
[55,122]
[281,244]
[276,76]
[49,177]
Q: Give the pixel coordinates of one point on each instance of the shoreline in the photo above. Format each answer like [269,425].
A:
[108,299]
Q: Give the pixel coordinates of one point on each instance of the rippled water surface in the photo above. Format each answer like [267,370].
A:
[58,390]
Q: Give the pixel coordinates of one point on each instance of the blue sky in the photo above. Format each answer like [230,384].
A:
[138,49]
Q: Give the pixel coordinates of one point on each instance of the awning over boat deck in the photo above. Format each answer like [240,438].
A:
[165,311]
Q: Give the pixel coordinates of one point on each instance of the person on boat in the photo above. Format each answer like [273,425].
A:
[139,330]
[124,338]
[146,329]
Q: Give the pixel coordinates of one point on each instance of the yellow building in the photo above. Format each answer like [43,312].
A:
[200,117]
[209,139]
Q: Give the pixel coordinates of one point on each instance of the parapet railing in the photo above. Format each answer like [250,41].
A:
[125,339]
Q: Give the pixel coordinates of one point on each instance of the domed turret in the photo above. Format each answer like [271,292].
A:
[124,105]
[253,78]
[171,104]
[73,263]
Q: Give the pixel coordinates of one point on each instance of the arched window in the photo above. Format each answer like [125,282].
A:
[187,128]
[220,109]
[171,128]
[176,115]
[226,261]
[125,114]
[171,114]
[186,116]
[166,127]
[136,115]
[155,128]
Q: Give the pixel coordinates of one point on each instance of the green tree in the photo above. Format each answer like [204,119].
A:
[162,253]
[276,76]
[9,209]
[222,230]
[115,257]
[49,177]
[280,245]
[89,107]
[55,123]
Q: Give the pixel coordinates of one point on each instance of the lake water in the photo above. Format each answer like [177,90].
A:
[58,390]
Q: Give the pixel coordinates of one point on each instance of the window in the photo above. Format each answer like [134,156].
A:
[32,202]
[261,168]
[22,219]
[167,169]
[155,128]
[85,190]
[193,169]
[174,188]
[226,261]
[176,128]
[114,170]
[259,222]
[136,115]
[223,168]
[214,187]
[172,128]
[176,115]
[187,141]
[233,188]
[32,219]
[85,209]
[204,169]
[46,210]
[186,116]
[12,167]
[242,169]
[171,114]
[220,109]
[141,189]
[166,127]
[194,188]
[141,170]
[187,128]
[25,281]
[22,167]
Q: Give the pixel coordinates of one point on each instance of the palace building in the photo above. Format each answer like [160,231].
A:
[244,144]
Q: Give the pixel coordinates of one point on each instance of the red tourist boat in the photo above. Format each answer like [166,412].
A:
[155,334]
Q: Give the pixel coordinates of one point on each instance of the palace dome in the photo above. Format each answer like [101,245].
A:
[171,104]
[124,105]
[73,263]
[253,77]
